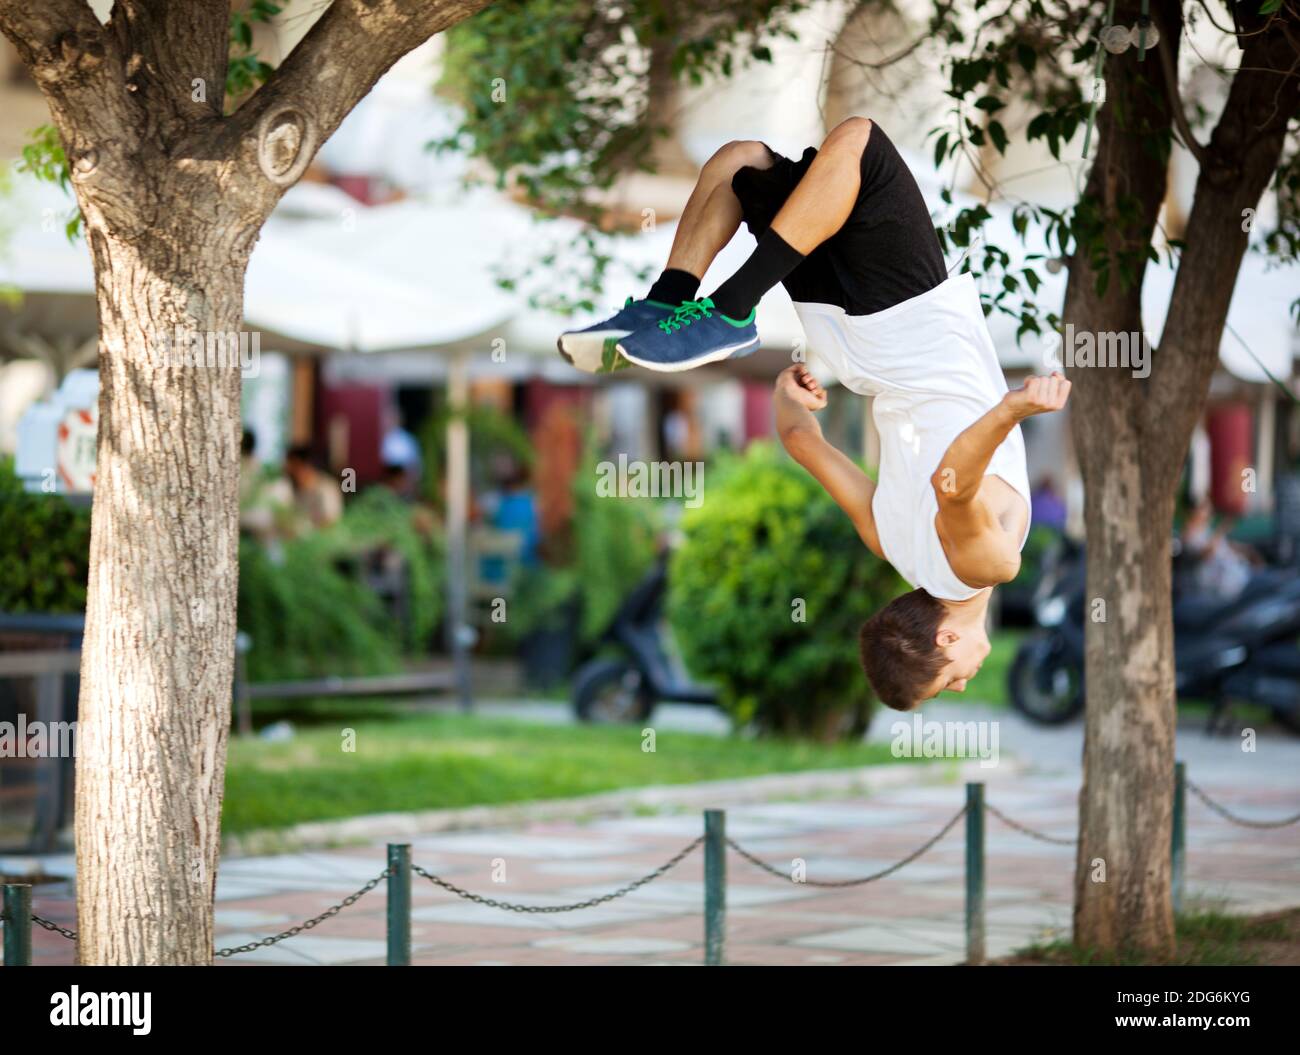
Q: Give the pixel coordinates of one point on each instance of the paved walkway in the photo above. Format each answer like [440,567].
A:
[913,917]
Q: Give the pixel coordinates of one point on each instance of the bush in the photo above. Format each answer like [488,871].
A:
[766,538]
[306,612]
[44,549]
[305,617]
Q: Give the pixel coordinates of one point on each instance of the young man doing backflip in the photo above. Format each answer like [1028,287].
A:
[846,231]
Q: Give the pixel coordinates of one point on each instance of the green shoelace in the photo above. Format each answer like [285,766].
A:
[686,313]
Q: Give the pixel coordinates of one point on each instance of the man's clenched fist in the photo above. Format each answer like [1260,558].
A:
[798,384]
[1039,395]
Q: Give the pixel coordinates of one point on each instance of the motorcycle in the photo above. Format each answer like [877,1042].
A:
[628,686]
[1244,650]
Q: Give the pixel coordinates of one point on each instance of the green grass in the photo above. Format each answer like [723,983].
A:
[438,761]
[1204,938]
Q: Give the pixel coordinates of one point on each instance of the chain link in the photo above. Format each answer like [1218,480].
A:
[333,910]
[479,899]
[1041,836]
[847,882]
[1229,816]
[71,935]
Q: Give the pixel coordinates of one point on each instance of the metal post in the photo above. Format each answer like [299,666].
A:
[1178,842]
[974,873]
[715,885]
[399,905]
[18,925]
[457,526]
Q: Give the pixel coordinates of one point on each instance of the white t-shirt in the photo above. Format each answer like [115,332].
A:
[932,368]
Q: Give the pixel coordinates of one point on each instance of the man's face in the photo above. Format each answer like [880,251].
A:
[965,653]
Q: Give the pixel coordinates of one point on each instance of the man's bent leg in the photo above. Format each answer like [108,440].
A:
[821,202]
[713,214]
[816,209]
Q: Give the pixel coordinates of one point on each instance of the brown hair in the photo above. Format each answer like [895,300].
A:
[898,650]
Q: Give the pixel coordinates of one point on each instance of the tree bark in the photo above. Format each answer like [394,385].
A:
[1131,436]
[160,615]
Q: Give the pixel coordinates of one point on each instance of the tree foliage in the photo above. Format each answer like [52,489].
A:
[559,97]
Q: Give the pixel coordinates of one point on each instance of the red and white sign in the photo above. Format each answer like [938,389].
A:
[76,450]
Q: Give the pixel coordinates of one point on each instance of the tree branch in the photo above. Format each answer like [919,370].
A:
[170,46]
[1244,152]
[80,67]
[1176,102]
[73,59]
[278,130]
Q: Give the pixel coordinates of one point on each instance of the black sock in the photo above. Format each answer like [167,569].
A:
[674,286]
[772,259]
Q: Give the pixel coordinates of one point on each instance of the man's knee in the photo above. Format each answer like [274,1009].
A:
[849,135]
[738,154]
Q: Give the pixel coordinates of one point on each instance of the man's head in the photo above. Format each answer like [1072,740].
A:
[917,647]
[298,465]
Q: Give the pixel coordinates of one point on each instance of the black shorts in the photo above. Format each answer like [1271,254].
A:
[886,252]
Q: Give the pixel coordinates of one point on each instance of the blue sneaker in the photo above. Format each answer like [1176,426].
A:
[695,334]
[592,349]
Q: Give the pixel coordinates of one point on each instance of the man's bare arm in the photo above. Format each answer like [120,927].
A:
[960,473]
[796,396]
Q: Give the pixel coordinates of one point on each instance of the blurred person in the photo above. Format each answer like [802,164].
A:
[318,498]
[265,497]
[398,447]
[1047,507]
[1222,568]
[396,479]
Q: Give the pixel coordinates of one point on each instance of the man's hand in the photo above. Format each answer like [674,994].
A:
[1040,395]
[799,385]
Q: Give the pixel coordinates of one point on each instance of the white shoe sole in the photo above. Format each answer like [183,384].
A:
[586,349]
[717,355]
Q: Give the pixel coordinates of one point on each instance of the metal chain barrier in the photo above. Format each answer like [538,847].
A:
[1041,836]
[1227,815]
[671,863]
[847,882]
[333,910]
[479,899]
[71,935]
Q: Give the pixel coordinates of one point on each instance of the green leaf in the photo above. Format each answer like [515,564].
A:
[999,136]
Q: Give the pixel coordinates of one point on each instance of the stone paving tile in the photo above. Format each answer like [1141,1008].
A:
[307,949]
[313,868]
[607,945]
[689,896]
[233,918]
[521,844]
[468,912]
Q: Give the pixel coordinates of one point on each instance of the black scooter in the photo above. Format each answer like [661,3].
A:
[626,687]
[1246,650]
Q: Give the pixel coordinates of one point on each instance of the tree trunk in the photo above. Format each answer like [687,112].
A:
[1131,436]
[160,618]
[1122,895]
